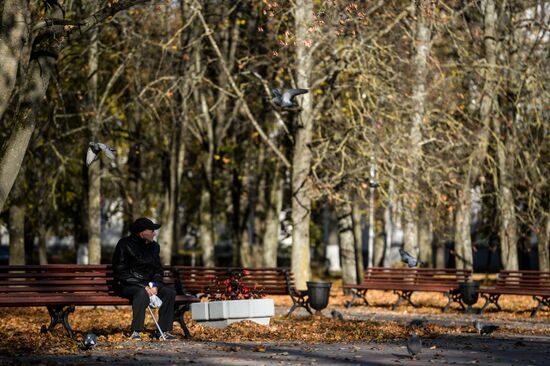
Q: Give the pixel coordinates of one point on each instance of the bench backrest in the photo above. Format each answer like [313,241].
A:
[60,278]
[427,276]
[523,280]
[266,281]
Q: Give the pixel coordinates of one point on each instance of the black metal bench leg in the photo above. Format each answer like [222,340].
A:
[299,301]
[59,314]
[179,315]
[490,299]
[356,294]
[449,302]
[403,295]
[294,306]
[542,301]
[453,297]
[299,304]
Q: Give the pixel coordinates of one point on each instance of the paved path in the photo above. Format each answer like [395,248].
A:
[455,349]
[463,349]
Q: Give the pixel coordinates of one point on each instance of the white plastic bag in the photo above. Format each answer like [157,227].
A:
[155,302]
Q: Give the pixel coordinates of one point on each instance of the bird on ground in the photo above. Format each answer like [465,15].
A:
[89,341]
[373,184]
[414,345]
[336,315]
[409,259]
[484,328]
[417,323]
[94,149]
[286,98]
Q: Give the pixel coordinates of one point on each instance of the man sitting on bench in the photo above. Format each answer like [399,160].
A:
[138,275]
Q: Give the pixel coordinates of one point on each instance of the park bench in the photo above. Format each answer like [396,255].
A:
[200,281]
[522,283]
[405,281]
[62,287]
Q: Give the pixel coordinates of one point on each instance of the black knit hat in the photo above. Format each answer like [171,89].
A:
[142,224]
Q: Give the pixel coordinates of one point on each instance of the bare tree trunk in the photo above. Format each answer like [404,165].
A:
[347,243]
[17,233]
[358,236]
[388,223]
[440,254]
[488,103]
[462,237]
[508,225]
[134,164]
[15,148]
[206,236]
[425,239]
[301,157]
[166,234]
[94,170]
[206,228]
[372,232]
[272,225]
[245,249]
[544,246]
[14,32]
[420,64]
[167,239]
[42,240]
[260,201]
[236,214]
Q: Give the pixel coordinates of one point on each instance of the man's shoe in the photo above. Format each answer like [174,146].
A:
[135,336]
[167,336]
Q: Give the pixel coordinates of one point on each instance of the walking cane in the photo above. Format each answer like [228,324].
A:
[158,326]
[152,284]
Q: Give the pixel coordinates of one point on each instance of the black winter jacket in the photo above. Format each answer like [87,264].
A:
[136,262]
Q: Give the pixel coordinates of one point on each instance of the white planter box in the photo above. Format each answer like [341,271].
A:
[220,314]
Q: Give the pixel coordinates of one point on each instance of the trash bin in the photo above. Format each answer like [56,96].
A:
[318,294]
[469,293]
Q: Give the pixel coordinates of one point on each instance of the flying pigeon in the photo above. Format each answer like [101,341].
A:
[414,345]
[336,315]
[286,99]
[89,341]
[484,329]
[407,258]
[94,149]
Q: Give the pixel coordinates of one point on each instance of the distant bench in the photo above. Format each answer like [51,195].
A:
[405,281]
[523,283]
[200,281]
[62,287]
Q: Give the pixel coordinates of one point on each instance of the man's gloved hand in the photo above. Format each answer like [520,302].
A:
[151,289]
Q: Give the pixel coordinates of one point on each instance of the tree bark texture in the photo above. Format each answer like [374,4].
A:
[94,170]
[425,239]
[272,225]
[301,157]
[347,242]
[358,238]
[420,65]
[14,35]
[544,246]
[462,237]
[206,235]
[16,227]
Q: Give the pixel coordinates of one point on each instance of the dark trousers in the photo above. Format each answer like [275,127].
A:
[140,301]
